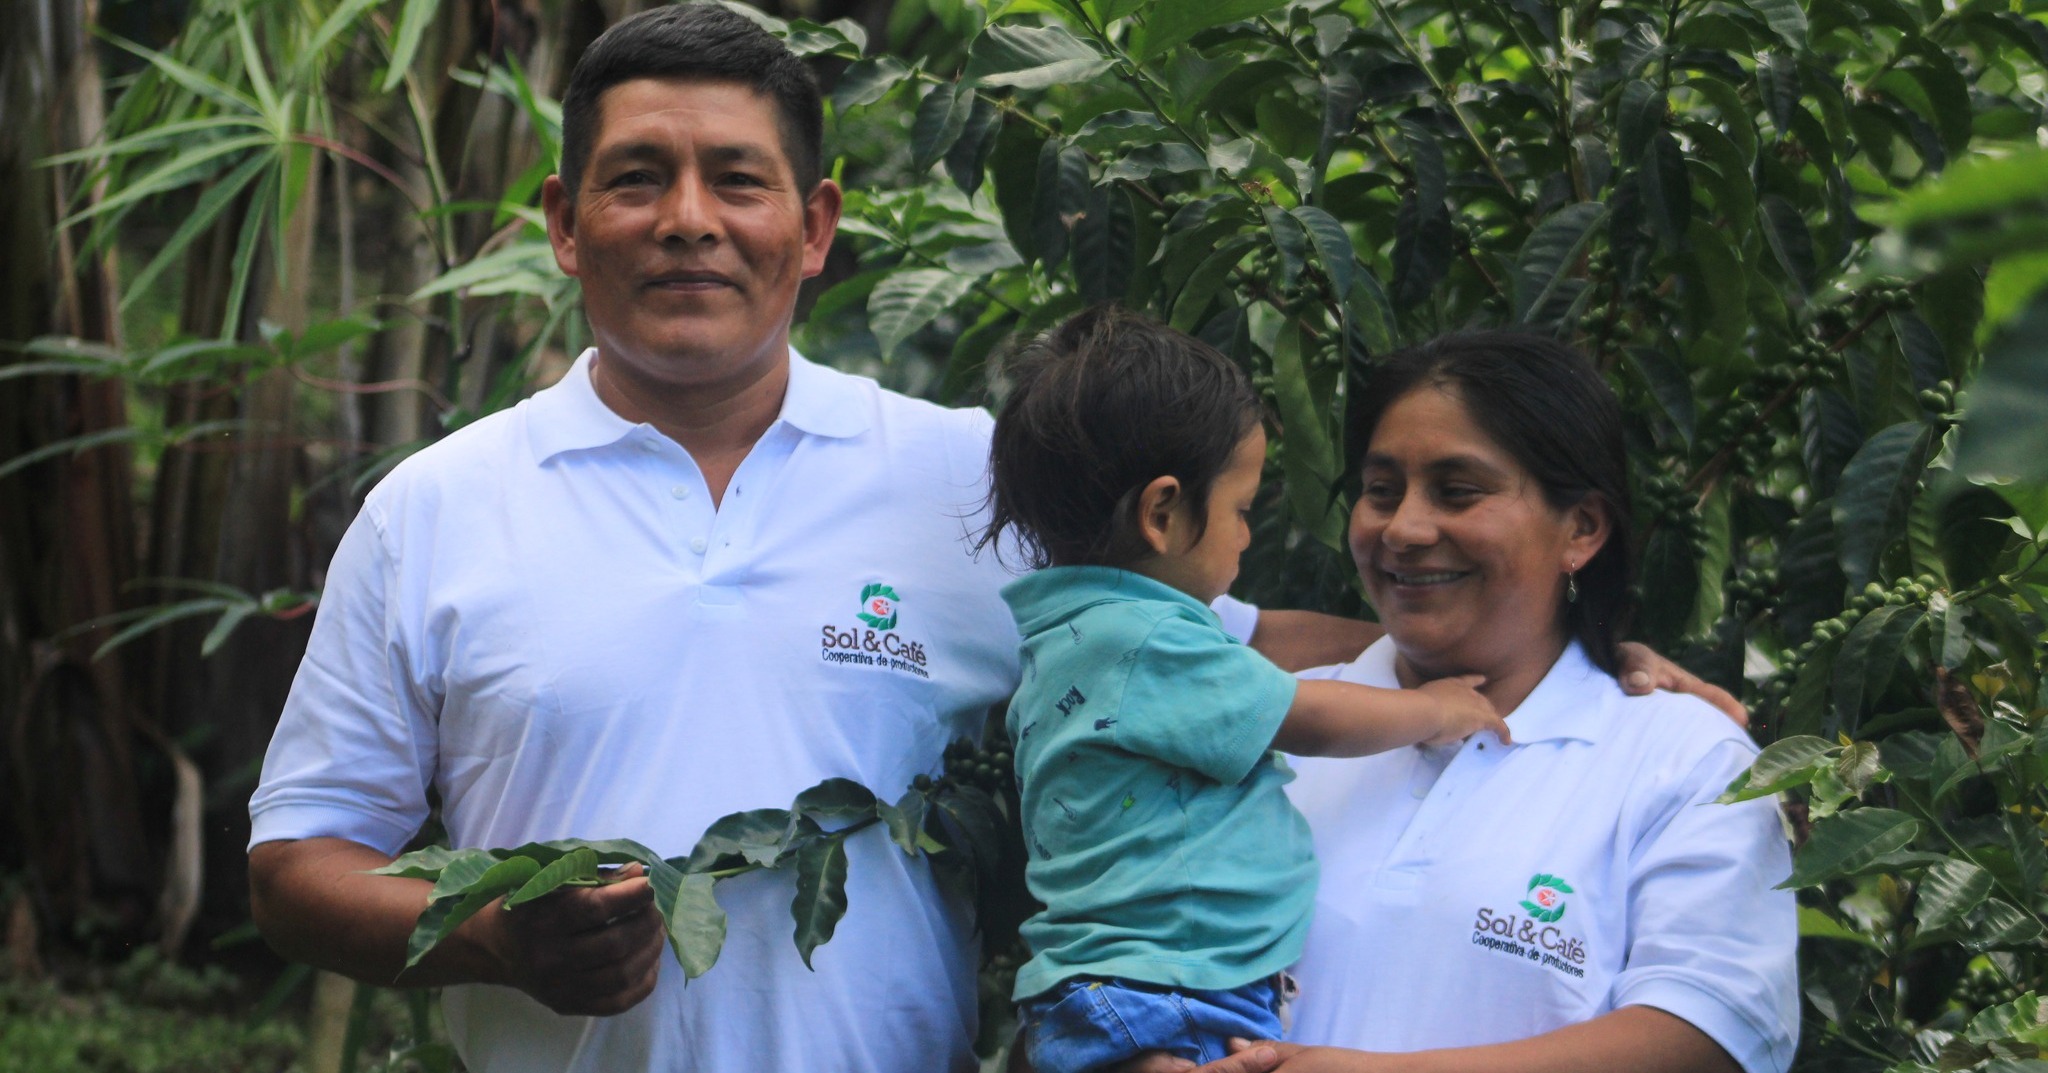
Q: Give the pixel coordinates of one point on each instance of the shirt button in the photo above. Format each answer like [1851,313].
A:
[649,446]
[697,545]
[681,491]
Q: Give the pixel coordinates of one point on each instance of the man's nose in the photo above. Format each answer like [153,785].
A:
[688,212]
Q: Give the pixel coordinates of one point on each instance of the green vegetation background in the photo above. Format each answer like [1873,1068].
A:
[261,251]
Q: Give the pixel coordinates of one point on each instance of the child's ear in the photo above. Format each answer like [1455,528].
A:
[1157,505]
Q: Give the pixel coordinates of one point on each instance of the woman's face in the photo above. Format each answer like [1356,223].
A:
[1461,555]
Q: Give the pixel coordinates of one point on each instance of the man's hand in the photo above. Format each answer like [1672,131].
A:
[580,951]
[1643,671]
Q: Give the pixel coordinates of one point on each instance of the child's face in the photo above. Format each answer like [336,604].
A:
[1204,568]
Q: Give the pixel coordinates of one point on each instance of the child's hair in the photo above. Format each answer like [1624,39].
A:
[1100,407]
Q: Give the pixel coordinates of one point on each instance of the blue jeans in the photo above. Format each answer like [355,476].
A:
[1085,1025]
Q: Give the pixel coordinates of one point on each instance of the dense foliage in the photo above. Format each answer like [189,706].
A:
[1807,242]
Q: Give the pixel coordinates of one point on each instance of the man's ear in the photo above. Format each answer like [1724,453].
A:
[1158,513]
[821,223]
[561,216]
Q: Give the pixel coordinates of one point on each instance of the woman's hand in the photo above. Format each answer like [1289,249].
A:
[1265,1056]
[1250,1058]
[1644,671]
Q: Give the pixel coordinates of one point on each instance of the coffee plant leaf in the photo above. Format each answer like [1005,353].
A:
[820,899]
[575,868]
[696,923]
[1845,842]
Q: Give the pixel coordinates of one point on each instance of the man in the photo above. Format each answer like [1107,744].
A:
[617,609]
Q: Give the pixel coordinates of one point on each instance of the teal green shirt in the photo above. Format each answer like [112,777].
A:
[1160,840]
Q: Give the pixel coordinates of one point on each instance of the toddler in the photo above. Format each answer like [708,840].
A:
[1177,879]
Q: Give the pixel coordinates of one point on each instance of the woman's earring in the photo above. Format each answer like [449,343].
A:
[1571,585]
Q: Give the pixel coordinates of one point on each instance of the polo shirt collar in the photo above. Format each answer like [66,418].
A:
[570,417]
[1043,597]
[1568,704]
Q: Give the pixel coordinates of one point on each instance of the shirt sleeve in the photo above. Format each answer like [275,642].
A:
[1239,619]
[1711,940]
[355,747]
[1197,700]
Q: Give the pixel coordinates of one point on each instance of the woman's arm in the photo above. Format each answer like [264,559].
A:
[1633,1039]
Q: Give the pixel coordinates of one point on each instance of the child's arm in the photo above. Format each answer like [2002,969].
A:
[1331,718]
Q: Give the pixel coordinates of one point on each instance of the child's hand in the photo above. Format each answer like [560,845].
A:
[1461,711]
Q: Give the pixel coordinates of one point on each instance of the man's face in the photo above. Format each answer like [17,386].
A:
[688,232]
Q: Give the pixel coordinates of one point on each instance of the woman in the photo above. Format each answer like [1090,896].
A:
[1573,901]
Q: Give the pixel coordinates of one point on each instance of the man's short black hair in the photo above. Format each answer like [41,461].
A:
[1100,407]
[703,40]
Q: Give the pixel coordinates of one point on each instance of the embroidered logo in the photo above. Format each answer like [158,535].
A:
[1533,935]
[878,606]
[876,642]
[1545,902]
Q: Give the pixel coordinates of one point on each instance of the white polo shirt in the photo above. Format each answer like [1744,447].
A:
[543,618]
[1478,894]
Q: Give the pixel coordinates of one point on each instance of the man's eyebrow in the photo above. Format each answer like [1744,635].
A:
[632,151]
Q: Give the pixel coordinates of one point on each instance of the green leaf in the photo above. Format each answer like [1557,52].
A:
[1948,892]
[1973,186]
[1062,190]
[427,863]
[754,837]
[1307,457]
[449,909]
[2023,1020]
[1669,385]
[820,893]
[225,626]
[1876,485]
[1785,17]
[1845,842]
[578,867]
[906,821]
[868,81]
[941,117]
[1783,764]
[1174,22]
[1290,241]
[907,301]
[1667,189]
[1815,924]
[1551,254]
[1032,57]
[1332,244]
[2001,925]
[836,801]
[1123,129]
[967,160]
[1207,279]
[1790,240]
[2006,431]
[405,39]
[696,924]
[1869,655]
[1147,161]
[1101,238]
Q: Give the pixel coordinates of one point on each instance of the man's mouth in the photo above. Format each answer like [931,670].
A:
[690,281]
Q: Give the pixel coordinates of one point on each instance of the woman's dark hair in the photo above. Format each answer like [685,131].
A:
[702,40]
[1547,406]
[1100,407]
